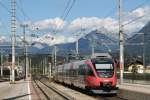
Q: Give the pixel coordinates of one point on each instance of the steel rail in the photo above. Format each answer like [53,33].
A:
[64,95]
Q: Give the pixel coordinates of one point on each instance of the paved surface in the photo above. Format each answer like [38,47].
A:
[18,91]
[23,90]
[134,91]
[143,82]
[135,87]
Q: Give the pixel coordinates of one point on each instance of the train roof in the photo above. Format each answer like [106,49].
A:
[101,55]
[97,57]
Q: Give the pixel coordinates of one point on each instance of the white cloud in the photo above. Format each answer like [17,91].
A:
[139,12]
[59,39]
[104,25]
[70,39]
[38,45]
[136,25]
[93,23]
[2,38]
[46,38]
[51,39]
[84,22]
[53,24]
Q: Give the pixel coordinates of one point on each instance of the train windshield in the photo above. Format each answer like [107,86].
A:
[104,70]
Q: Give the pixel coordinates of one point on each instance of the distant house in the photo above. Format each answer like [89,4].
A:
[147,70]
[136,66]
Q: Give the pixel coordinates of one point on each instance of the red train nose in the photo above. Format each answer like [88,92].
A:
[106,86]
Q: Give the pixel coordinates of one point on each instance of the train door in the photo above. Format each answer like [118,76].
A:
[71,73]
[90,77]
[82,75]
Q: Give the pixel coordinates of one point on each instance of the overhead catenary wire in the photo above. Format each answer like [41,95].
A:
[5,7]
[66,12]
[140,5]
[69,9]
[133,20]
[22,11]
[4,25]
[65,9]
[111,12]
[138,18]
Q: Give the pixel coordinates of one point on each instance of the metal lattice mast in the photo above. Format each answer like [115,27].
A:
[13,32]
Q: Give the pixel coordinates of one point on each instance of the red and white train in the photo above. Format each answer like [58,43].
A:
[96,74]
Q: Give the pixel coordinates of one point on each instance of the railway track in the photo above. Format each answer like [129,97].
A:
[95,96]
[50,92]
[53,91]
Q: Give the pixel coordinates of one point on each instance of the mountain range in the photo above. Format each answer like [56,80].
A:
[138,45]
[101,43]
[135,46]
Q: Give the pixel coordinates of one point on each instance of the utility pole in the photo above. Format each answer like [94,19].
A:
[27,62]
[13,32]
[24,26]
[77,45]
[144,50]
[50,70]
[77,41]
[52,60]
[121,42]
[93,50]
[30,63]
[93,45]
[55,56]
[1,64]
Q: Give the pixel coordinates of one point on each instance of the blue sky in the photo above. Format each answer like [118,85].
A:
[41,10]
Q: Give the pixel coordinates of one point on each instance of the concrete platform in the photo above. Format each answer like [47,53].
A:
[18,91]
[135,87]
[134,91]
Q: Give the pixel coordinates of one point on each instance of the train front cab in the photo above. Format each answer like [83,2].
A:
[101,78]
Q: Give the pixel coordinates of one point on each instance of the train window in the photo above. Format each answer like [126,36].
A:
[81,70]
[73,72]
[104,70]
[85,70]
[89,71]
[104,66]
